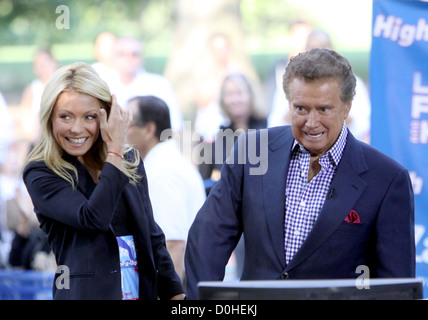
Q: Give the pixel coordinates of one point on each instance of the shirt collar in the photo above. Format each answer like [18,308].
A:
[335,152]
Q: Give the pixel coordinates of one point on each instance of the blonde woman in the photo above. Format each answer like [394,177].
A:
[90,195]
[241,110]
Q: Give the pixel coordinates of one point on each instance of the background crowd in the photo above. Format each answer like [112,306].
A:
[226,95]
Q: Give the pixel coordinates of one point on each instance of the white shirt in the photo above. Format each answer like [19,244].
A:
[7,129]
[37,88]
[208,121]
[146,83]
[105,72]
[176,189]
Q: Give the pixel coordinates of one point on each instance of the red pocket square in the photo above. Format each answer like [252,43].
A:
[353,217]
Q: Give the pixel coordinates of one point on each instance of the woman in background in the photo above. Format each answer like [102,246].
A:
[238,104]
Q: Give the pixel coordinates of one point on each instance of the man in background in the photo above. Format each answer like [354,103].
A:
[134,80]
[176,188]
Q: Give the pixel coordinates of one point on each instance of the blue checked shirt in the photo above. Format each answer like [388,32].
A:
[304,199]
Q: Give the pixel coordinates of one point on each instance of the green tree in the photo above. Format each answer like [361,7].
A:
[34,22]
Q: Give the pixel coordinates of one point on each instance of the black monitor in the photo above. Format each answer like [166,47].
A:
[347,289]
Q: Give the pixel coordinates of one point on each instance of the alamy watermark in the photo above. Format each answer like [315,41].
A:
[63,20]
[363,280]
[63,280]
[252,150]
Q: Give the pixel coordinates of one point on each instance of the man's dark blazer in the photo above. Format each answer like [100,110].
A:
[376,187]
[78,224]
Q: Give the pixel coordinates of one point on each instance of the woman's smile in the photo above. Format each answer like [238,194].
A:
[75,123]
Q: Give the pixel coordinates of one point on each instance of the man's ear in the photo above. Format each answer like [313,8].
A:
[151,129]
[347,109]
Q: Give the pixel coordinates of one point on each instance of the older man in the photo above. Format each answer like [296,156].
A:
[327,203]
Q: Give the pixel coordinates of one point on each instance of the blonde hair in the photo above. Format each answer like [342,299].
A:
[244,84]
[82,78]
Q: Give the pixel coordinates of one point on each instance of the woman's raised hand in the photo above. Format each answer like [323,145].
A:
[114,129]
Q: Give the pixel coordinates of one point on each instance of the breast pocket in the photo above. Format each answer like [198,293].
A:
[352,227]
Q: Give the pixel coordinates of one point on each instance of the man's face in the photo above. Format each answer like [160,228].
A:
[128,56]
[317,114]
[135,135]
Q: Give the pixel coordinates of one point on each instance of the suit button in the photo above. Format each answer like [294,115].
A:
[284,275]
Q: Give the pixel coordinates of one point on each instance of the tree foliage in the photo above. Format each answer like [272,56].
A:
[34,21]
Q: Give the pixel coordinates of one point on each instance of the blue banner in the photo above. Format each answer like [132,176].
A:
[399,99]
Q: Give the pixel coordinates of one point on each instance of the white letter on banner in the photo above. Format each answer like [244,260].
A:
[420,98]
[419,105]
[424,132]
[422,33]
[383,25]
[417,84]
[407,35]
[396,29]
[417,183]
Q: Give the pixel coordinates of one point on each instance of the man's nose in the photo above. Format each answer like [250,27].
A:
[312,119]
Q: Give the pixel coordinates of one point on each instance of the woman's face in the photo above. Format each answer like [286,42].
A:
[236,99]
[75,122]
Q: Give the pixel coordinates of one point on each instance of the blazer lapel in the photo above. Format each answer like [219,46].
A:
[274,189]
[347,186]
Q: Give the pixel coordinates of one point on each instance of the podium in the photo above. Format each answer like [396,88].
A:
[341,289]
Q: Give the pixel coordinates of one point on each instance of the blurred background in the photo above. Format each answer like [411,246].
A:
[192,44]
[174,33]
